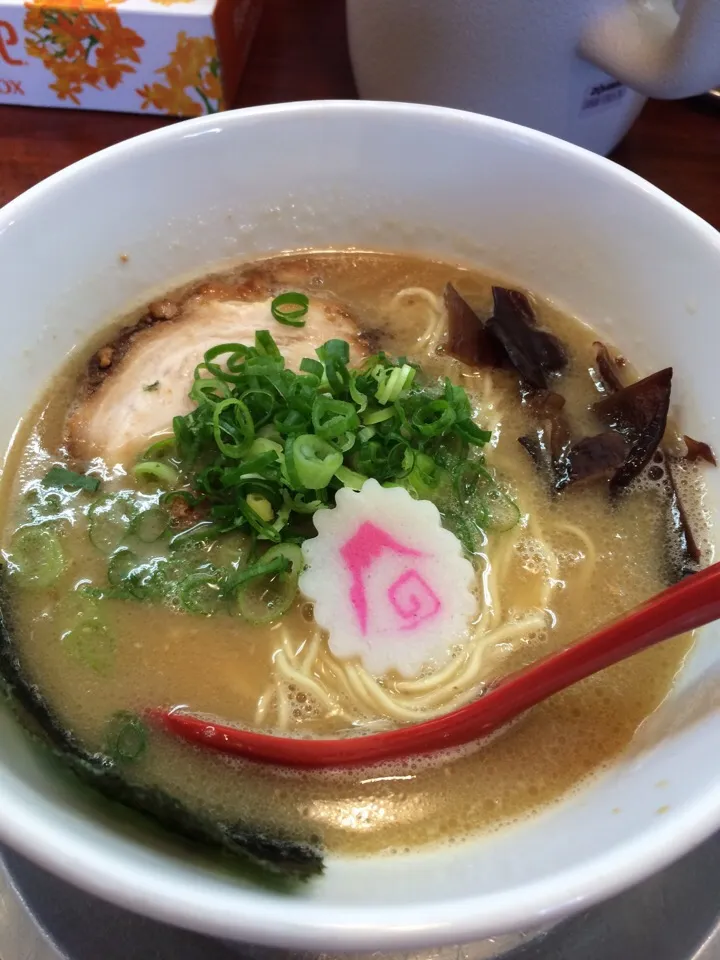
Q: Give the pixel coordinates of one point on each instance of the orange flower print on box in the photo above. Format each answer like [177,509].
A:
[86,47]
[192,80]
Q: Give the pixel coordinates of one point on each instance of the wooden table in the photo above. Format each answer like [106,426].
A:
[300,53]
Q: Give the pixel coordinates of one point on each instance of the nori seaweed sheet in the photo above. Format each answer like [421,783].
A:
[273,860]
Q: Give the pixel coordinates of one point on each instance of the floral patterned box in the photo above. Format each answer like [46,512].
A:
[176,57]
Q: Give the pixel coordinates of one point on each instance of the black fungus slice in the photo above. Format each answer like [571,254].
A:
[468,340]
[689,550]
[272,860]
[548,409]
[534,444]
[699,450]
[607,368]
[640,410]
[533,352]
[567,462]
[551,440]
[640,413]
[593,458]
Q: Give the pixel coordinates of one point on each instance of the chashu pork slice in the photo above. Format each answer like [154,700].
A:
[139,383]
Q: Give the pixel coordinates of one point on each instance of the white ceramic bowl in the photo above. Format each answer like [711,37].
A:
[567,224]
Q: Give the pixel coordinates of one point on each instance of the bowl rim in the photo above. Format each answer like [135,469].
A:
[254,915]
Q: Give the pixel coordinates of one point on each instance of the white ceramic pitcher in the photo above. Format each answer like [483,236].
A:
[578,69]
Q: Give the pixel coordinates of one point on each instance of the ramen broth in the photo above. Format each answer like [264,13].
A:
[581,556]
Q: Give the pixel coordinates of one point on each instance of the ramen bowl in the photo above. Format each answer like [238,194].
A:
[108,232]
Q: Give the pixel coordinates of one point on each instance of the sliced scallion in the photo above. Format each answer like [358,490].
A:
[109,519]
[434,418]
[163,473]
[290,308]
[315,461]
[261,506]
[265,446]
[237,424]
[350,478]
[36,553]
[313,367]
[332,418]
[266,346]
[91,644]
[121,566]
[372,417]
[201,592]
[266,590]
[126,737]
[149,525]
[164,447]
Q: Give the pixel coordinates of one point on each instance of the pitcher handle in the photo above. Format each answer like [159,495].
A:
[649,46]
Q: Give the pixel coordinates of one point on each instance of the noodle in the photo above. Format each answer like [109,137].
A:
[263,704]
[590,558]
[312,650]
[302,679]
[450,687]
[348,691]
[283,705]
[435,327]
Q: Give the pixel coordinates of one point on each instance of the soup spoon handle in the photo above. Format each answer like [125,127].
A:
[685,606]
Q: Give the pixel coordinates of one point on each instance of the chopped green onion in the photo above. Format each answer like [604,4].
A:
[373,417]
[121,566]
[471,480]
[242,430]
[265,529]
[201,592]
[69,480]
[109,519]
[265,344]
[358,398]
[394,382]
[150,387]
[301,504]
[313,367]
[346,442]
[200,532]
[90,643]
[315,461]
[156,470]
[209,390]
[149,525]
[232,550]
[335,350]
[36,553]
[261,404]
[126,737]
[261,506]
[298,304]
[434,419]
[472,433]
[350,478]
[236,350]
[426,476]
[502,512]
[265,446]
[164,447]
[332,418]
[266,590]
[291,552]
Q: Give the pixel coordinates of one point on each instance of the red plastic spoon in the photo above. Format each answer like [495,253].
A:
[687,605]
